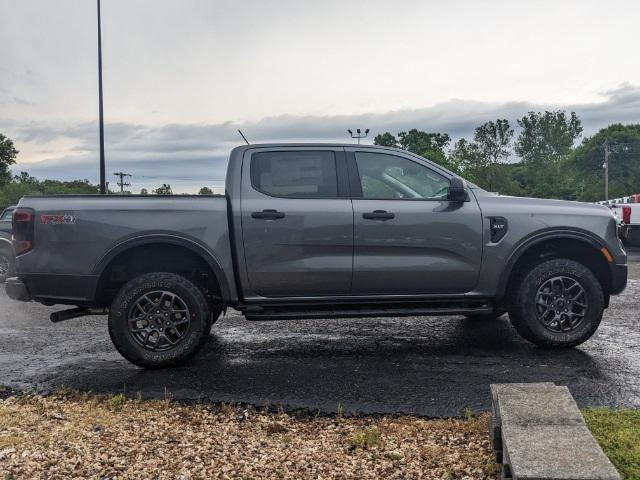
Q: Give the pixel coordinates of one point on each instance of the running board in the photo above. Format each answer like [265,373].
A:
[63,315]
[299,312]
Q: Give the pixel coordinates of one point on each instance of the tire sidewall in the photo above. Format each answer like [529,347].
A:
[594,298]
[131,292]
[10,260]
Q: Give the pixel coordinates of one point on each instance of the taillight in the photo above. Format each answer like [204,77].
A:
[626,214]
[22,230]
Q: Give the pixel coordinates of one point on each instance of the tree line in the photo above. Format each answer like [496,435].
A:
[545,159]
[14,187]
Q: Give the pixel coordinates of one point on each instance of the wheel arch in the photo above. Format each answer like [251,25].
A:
[573,244]
[6,244]
[121,249]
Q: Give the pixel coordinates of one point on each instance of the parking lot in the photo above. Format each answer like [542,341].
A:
[432,366]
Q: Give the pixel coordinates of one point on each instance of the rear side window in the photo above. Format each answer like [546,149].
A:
[303,174]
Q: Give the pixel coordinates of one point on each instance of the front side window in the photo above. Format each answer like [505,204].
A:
[384,176]
[295,174]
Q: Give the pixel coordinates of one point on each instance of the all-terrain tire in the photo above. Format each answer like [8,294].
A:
[193,338]
[6,264]
[524,314]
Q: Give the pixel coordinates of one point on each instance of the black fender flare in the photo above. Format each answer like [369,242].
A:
[536,238]
[167,239]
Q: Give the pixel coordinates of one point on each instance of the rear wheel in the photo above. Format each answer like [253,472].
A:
[557,304]
[159,320]
[6,265]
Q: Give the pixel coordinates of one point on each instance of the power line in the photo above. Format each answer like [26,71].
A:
[169,177]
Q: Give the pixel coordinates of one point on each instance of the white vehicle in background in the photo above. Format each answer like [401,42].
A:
[627,211]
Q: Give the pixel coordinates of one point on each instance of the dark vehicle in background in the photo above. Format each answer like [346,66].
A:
[317,231]
[6,247]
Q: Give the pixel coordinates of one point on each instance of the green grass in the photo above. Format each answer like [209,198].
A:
[117,401]
[618,432]
[366,438]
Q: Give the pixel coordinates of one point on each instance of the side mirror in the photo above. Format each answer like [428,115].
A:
[457,192]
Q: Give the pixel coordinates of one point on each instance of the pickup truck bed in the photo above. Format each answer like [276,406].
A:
[74,253]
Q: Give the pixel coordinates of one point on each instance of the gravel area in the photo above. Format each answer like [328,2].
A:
[70,435]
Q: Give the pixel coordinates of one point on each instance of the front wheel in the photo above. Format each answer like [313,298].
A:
[159,320]
[557,304]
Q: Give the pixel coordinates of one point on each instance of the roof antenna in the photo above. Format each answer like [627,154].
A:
[243,137]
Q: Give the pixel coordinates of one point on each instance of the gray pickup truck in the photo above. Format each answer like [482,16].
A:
[317,231]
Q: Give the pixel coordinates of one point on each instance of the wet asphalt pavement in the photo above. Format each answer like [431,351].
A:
[431,366]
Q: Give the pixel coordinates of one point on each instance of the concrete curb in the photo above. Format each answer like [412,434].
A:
[538,433]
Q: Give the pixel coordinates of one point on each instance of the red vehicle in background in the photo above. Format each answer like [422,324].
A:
[627,209]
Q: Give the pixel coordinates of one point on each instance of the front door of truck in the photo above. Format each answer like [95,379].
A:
[297,222]
[408,238]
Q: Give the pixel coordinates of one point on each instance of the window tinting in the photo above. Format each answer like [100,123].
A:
[303,174]
[385,176]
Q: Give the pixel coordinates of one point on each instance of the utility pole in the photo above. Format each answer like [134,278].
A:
[358,134]
[103,185]
[606,170]
[122,183]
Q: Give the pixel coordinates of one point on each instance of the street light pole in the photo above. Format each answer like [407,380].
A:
[103,185]
[606,171]
[358,134]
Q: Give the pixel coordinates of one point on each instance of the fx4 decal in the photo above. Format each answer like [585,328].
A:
[60,219]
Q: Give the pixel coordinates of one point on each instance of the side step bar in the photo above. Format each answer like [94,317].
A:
[56,317]
[354,311]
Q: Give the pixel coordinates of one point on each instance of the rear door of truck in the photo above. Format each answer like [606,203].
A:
[297,222]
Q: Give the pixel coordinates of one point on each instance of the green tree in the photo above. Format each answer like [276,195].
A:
[205,191]
[144,191]
[24,184]
[386,140]
[165,189]
[428,145]
[468,157]
[480,160]
[417,141]
[585,163]
[8,155]
[494,144]
[544,144]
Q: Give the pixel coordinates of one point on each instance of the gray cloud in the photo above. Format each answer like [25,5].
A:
[192,155]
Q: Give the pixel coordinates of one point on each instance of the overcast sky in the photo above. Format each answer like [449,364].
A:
[181,76]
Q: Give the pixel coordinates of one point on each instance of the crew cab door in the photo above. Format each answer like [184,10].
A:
[409,239]
[297,222]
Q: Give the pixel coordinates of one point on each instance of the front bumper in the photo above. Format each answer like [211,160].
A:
[618,278]
[17,290]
